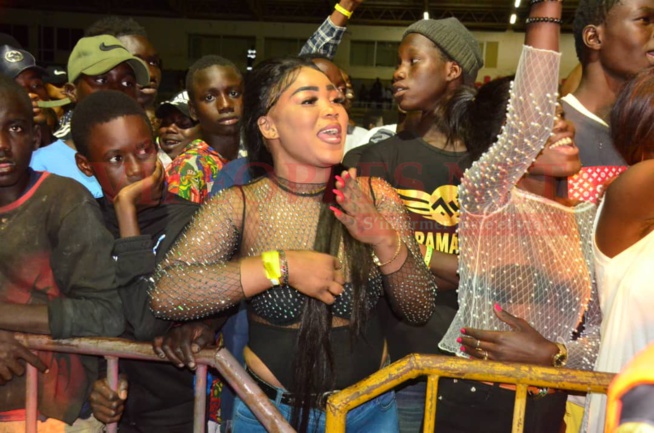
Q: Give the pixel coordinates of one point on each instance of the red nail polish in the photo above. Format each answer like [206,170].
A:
[347,175]
[459,340]
[336,210]
[463,330]
[462,349]
[340,179]
[497,308]
[339,193]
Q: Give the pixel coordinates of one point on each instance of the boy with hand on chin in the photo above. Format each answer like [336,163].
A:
[115,143]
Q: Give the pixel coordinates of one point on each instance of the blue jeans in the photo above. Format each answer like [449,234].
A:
[378,415]
[411,405]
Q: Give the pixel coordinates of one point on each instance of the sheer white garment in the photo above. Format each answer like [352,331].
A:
[529,254]
[624,283]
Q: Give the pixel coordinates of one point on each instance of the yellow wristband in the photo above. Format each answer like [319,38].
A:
[272,267]
[342,10]
[428,254]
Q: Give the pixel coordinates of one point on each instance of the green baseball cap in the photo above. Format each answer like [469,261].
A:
[97,55]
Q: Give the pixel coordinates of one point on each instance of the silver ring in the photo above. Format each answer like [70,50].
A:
[485,355]
[478,343]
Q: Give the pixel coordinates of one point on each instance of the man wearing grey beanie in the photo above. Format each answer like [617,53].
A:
[438,60]
[455,41]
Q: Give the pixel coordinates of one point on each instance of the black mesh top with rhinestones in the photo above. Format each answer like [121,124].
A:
[201,274]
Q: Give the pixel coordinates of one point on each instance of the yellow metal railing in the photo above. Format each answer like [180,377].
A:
[435,367]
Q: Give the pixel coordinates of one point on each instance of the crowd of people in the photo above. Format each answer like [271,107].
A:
[494,223]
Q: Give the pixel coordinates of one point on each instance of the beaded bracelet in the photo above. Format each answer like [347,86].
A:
[552,20]
[343,11]
[533,2]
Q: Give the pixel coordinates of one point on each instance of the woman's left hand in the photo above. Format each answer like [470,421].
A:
[359,214]
[522,344]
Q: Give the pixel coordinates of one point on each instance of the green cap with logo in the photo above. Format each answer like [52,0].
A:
[96,55]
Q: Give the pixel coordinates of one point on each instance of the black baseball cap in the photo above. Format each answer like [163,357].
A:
[13,61]
[56,75]
[179,102]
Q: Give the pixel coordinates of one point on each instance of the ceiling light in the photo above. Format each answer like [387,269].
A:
[425,15]
[513,18]
[517,3]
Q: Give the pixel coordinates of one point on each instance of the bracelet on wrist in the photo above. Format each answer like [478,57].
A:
[340,9]
[271,266]
[378,262]
[428,253]
[552,20]
[283,267]
[560,359]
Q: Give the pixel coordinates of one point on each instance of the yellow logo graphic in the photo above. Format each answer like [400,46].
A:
[441,206]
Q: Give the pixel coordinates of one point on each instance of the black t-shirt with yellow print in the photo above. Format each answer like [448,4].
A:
[426,178]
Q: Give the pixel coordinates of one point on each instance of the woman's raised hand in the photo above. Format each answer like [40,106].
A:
[359,214]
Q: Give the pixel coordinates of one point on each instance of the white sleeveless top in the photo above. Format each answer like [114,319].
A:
[626,291]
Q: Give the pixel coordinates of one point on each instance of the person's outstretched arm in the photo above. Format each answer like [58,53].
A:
[486,186]
[326,39]
[386,227]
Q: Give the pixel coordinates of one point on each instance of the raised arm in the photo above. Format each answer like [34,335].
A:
[411,289]
[327,37]
[136,255]
[486,186]
[386,227]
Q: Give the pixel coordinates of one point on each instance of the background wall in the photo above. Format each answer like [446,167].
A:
[367,52]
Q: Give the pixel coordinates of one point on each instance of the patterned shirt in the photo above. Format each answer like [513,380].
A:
[325,40]
[192,173]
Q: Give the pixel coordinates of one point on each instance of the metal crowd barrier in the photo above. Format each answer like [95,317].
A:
[338,404]
[114,348]
[435,367]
